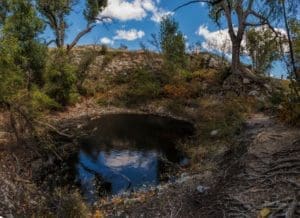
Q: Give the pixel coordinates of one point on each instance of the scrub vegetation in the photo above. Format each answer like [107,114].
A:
[47,92]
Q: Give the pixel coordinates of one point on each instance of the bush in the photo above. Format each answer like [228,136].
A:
[290,113]
[61,78]
[177,91]
[63,204]
[143,86]
[88,57]
[226,116]
[40,101]
[207,75]
[185,75]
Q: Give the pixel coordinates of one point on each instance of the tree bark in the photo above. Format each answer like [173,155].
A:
[294,69]
[236,52]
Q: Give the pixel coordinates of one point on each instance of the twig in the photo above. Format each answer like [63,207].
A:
[291,210]
[55,129]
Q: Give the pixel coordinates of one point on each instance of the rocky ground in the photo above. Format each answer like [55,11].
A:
[258,177]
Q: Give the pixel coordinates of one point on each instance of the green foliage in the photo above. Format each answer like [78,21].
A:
[11,77]
[61,78]
[172,44]
[263,49]
[277,98]
[93,7]
[86,60]
[185,75]
[290,112]
[143,85]
[225,116]
[56,13]
[23,24]
[295,34]
[41,102]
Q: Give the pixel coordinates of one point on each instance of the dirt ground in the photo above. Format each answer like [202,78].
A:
[259,177]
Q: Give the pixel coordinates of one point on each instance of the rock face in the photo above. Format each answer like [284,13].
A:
[121,62]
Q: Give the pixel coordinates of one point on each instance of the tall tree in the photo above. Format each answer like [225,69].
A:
[23,24]
[239,15]
[56,12]
[262,48]
[172,43]
[282,12]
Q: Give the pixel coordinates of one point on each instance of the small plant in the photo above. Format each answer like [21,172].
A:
[86,61]
[143,86]
[40,101]
[177,91]
[63,204]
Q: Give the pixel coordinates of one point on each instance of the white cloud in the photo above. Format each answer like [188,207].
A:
[219,41]
[158,14]
[129,35]
[106,41]
[216,40]
[125,10]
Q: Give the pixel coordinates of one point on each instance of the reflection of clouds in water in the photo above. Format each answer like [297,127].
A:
[122,169]
[134,159]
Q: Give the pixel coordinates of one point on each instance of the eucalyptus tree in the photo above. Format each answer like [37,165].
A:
[262,49]
[56,13]
[239,15]
[285,11]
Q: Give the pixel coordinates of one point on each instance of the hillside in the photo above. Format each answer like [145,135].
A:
[237,128]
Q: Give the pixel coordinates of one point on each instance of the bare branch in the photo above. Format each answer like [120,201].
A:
[263,21]
[79,36]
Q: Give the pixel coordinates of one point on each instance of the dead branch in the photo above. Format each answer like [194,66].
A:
[55,129]
[292,208]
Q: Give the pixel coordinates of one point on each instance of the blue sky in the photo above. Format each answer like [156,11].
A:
[135,20]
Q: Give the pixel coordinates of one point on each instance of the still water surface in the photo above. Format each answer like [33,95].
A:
[124,152]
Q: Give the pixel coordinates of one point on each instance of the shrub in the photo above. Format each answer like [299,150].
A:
[207,75]
[143,85]
[290,113]
[86,61]
[177,90]
[185,75]
[225,115]
[61,78]
[40,101]
[63,204]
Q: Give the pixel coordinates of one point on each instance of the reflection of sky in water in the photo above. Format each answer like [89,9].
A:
[122,152]
[125,170]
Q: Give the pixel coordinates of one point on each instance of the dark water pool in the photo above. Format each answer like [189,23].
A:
[124,152]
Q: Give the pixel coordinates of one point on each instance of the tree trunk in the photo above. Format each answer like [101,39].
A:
[294,69]
[236,51]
